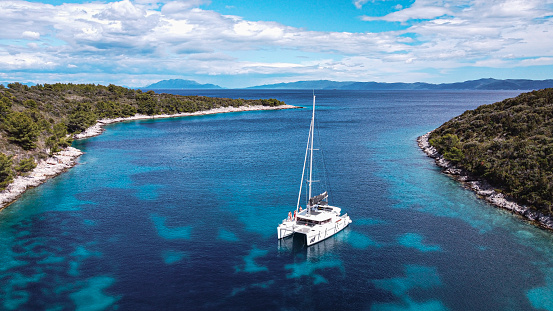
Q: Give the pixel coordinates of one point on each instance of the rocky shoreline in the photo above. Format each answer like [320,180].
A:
[44,170]
[65,159]
[482,188]
[97,129]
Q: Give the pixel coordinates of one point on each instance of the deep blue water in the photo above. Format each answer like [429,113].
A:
[181,214]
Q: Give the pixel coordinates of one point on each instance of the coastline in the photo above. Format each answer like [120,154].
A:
[65,159]
[482,188]
[97,129]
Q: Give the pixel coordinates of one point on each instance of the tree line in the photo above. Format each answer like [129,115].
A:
[37,121]
[509,143]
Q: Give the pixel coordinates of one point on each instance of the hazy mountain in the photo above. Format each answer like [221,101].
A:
[179,84]
[316,84]
[481,84]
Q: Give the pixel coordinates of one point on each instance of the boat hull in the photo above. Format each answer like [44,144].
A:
[285,229]
[316,234]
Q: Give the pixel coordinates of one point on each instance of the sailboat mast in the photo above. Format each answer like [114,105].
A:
[311,132]
[308,151]
[303,170]
[309,139]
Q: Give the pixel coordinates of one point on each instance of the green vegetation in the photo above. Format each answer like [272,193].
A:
[21,129]
[509,143]
[59,138]
[26,165]
[6,173]
[39,120]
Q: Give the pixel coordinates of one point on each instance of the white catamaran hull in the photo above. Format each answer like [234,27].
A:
[285,229]
[318,233]
[312,234]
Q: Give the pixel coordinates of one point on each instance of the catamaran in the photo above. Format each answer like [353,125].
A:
[318,220]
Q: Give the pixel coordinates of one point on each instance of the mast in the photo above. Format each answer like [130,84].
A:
[304,163]
[308,150]
[311,132]
[303,171]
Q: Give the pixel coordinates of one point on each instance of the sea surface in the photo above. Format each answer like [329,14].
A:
[181,214]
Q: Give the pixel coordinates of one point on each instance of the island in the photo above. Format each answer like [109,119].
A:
[39,123]
[504,152]
[180,84]
[480,84]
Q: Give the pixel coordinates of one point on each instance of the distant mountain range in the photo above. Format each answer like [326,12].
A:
[180,84]
[481,84]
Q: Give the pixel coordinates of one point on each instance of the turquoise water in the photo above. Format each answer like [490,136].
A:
[181,214]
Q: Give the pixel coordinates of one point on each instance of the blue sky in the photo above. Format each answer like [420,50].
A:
[245,43]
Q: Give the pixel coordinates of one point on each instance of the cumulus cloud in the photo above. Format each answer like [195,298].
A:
[30,35]
[155,38]
[179,6]
[476,33]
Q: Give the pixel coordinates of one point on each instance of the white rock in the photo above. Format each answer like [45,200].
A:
[44,169]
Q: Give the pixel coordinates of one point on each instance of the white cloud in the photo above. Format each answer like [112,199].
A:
[541,61]
[259,31]
[123,10]
[179,6]
[359,3]
[512,8]
[155,38]
[26,61]
[30,35]
[477,33]
[419,10]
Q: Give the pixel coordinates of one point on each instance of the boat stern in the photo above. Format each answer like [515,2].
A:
[285,229]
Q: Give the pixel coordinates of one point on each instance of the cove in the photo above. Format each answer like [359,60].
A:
[181,214]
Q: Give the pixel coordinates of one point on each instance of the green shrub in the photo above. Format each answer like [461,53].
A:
[59,138]
[81,118]
[6,173]
[449,146]
[147,104]
[5,107]
[21,130]
[25,165]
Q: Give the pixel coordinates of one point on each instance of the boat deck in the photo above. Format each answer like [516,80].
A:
[320,214]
